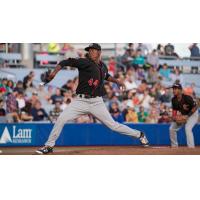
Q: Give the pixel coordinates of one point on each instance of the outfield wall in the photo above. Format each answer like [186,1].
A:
[86,135]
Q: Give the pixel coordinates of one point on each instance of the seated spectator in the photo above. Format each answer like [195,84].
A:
[41,92]
[34,98]
[2,110]
[194,50]
[20,100]
[129,83]
[55,113]
[165,96]
[81,53]
[160,50]
[131,72]
[164,118]
[67,86]
[156,91]
[135,98]
[131,115]
[152,75]
[19,86]
[112,66]
[67,95]
[4,86]
[65,47]
[49,92]
[109,86]
[143,48]
[2,93]
[38,113]
[143,86]
[165,72]
[116,113]
[170,50]
[139,59]
[114,99]
[146,99]
[56,97]
[126,59]
[153,59]
[153,116]
[142,115]
[131,49]
[26,112]
[140,74]
[12,108]
[65,103]
[10,85]
[28,80]
[110,93]
[115,89]
[163,108]
[176,75]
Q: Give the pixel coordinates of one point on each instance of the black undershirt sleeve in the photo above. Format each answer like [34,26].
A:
[71,62]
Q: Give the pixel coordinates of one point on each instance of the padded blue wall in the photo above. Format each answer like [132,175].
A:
[87,134]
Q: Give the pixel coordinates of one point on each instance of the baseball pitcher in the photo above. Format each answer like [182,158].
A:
[92,73]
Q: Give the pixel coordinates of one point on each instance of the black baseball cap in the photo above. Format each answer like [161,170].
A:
[176,85]
[93,46]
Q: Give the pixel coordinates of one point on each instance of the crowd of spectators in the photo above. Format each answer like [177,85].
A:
[146,99]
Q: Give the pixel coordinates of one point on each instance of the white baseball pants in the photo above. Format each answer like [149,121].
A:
[94,106]
[192,120]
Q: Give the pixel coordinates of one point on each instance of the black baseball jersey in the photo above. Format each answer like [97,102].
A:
[91,75]
[185,105]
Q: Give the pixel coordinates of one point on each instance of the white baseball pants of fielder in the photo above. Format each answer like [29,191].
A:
[192,120]
[96,107]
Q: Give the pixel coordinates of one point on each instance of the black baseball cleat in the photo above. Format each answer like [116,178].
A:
[143,140]
[45,150]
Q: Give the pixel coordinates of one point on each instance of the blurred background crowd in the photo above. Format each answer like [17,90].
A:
[146,99]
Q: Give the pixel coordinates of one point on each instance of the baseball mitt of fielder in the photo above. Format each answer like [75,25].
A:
[45,77]
[181,119]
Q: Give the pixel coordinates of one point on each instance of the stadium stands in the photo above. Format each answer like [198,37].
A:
[146,82]
[11,59]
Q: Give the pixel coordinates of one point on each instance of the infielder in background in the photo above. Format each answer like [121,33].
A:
[185,112]
[92,73]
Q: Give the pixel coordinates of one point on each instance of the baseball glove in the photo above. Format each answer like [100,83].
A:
[181,119]
[45,77]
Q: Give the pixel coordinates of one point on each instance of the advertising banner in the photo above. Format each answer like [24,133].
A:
[36,134]
[17,134]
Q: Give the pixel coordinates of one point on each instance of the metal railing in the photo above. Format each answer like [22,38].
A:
[42,60]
